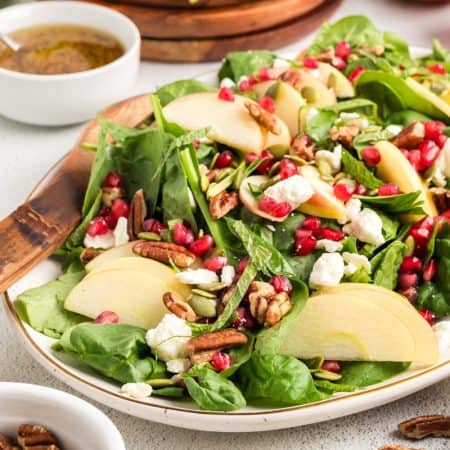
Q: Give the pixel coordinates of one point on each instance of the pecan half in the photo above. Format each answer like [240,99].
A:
[7,444]
[441,197]
[397,447]
[411,136]
[36,437]
[327,56]
[266,119]
[423,426]
[292,77]
[138,212]
[344,134]
[179,307]
[202,357]
[164,252]
[301,148]
[216,341]
[221,204]
[88,254]
[110,194]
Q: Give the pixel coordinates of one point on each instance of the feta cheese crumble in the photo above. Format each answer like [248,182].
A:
[355,262]
[328,245]
[328,270]
[178,365]
[442,166]
[295,190]
[227,83]
[227,275]
[197,276]
[333,159]
[137,390]
[442,330]
[101,241]
[366,227]
[120,232]
[352,209]
[168,340]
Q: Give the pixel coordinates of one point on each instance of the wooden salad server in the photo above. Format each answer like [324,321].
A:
[37,228]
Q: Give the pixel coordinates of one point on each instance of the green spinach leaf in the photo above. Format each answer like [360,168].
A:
[358,170]
[395,204]
[180,88]
[318,126]
[430,297]
[385,265]
[238,64]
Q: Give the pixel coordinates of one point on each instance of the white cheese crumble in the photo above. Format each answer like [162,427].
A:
[394,129]
[442,330]
[137,390]
[227,83]
[102,241]
[280,64]
[366,227]
[197,276]
[349,115]
[168,340]
[352,209]
[328,245]
[295,190]
[178,365]
[354,119]
[120,232]
[442,166]
[333,159]
[328,270]
[227,275]
[355,262]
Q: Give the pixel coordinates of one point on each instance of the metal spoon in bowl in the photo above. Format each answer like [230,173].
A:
[9,42]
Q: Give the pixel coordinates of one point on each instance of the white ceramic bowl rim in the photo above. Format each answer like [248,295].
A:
[79,5]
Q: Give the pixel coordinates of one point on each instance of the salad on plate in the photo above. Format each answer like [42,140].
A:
[275,239]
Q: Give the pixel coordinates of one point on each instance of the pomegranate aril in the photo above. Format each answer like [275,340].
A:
[331,366]
[371,156]
[437,68]
[411,264]
[407,280]
[301,233]
[243,263]
[430,270]
[120,208]
[202,246]
[224,160]
[281,284]
[429,151]
[267,103]
[427,223]
[329,233]
[415,159]
[215,263]
[311,223]
[388,189]
[343,191]
[154,226]
[441,140]
[107,317]
[245,86]
[433,129]
[221,361]
[265,166]
[445,216]
[427,315]
[251,157]
[310,63]
[196,144]
[305,246]
[287,168]
[421,236]
[226,94]
[113,179]
[273,207]
[266,74]
[182,235]
[356,73]
[411,294]
[106,214]
[343,49]
[244,319]
[97,227]
[339,63]
[360,189]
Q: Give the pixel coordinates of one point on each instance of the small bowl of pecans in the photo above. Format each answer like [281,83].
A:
[37,417]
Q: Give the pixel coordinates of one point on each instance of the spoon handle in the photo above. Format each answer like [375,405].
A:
[9,42]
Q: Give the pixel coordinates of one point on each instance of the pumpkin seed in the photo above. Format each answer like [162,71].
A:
[310,94]
[203,293]
[438,87]
[314,364]
[149,236]
[327,375]
[409,246]
[204,307]
[160,382]
[212,287]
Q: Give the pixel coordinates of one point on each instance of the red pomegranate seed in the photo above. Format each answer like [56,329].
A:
[221,361]
[441,140]
[433,129]
[411,294]
[415,159]
[244,319]
[182,235]
[267,103]
[301,233]
[287,168]
[265,166]
[106,214]
[329,233]
[113,179]
[343,191]
[274,207]
[310,63]
[226,94]
[421,236]
[245,86]
[427,223]
[154,226]
[371,156]
[411,264]
[360,189]
[215,263]
[243,263]
[427,315]
[356,73]
[97,227]
[281,284]
[437,68]
[266,74]
[107,317]
[429,152]
[445,216]
[388,189]
[251,157]
[405,152]
[343,49]
[196,144]
[305,246]
[311,223]
[331,366]
[202,246]
[339,63]
[407,280]
[224,160]
[120,208]
[430,270]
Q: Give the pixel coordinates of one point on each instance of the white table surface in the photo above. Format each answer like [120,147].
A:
[27,152]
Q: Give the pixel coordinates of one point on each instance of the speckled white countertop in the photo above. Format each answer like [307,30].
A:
[27,152]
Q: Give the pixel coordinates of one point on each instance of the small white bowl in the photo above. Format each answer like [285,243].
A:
[75,423]
[68,98]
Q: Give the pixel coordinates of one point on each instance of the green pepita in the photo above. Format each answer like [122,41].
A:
[149,236]
[160,382]
[410,246]
[310,94]
[327,375]
[213,287]
[204,307]
[438,87]
[203,293]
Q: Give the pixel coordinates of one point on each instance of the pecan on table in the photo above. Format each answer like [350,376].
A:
[88,254]
[344,134]
[138,212]
[423,426]
[411,136]
[7,444]
[221,204]
[179,307]
[36,437]
[165,252]
[264,118]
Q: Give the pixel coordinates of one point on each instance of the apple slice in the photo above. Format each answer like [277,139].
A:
[323,95]
[348,328]
[111,254]
[230,122]
[394,167]
[323,203]
[278,144]
[423,335]
[333,78]
[262,87]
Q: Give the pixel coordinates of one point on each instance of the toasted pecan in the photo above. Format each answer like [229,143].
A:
[216,341]
[411,136]
[7,443]
[36,437]
[266,119]
[164,252]
[301,148]
[441,198]
[138,212]
[221,204]
[293,77]
[423,426]
[179,307]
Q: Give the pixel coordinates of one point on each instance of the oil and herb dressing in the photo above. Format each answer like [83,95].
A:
[60,49]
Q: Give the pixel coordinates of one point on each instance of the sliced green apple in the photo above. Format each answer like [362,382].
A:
[111,254]
[336,80]
[314,91]
[262,87]
[323,203]
[394,167]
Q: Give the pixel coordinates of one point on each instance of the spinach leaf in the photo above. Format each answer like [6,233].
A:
[361,374]
[395,204]
[390,225]
[442,252]
[277,378]
[117,351]
[360,276]
[302,265]
[318,126]
[430,297]
[239,355]
[396,49]
[211,391]
[120,133]
[358,105]
[406,117]
[439,52]
[238,64]
[180,88]
[385,265]
[284,234]
[358,170]
[350,244]
[329,387]
[367,138]
[43,307]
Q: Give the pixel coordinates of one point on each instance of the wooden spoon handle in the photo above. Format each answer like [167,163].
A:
[38,227]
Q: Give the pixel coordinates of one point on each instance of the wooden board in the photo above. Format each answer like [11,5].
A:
[183,3]
[214,49]
[166,23]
